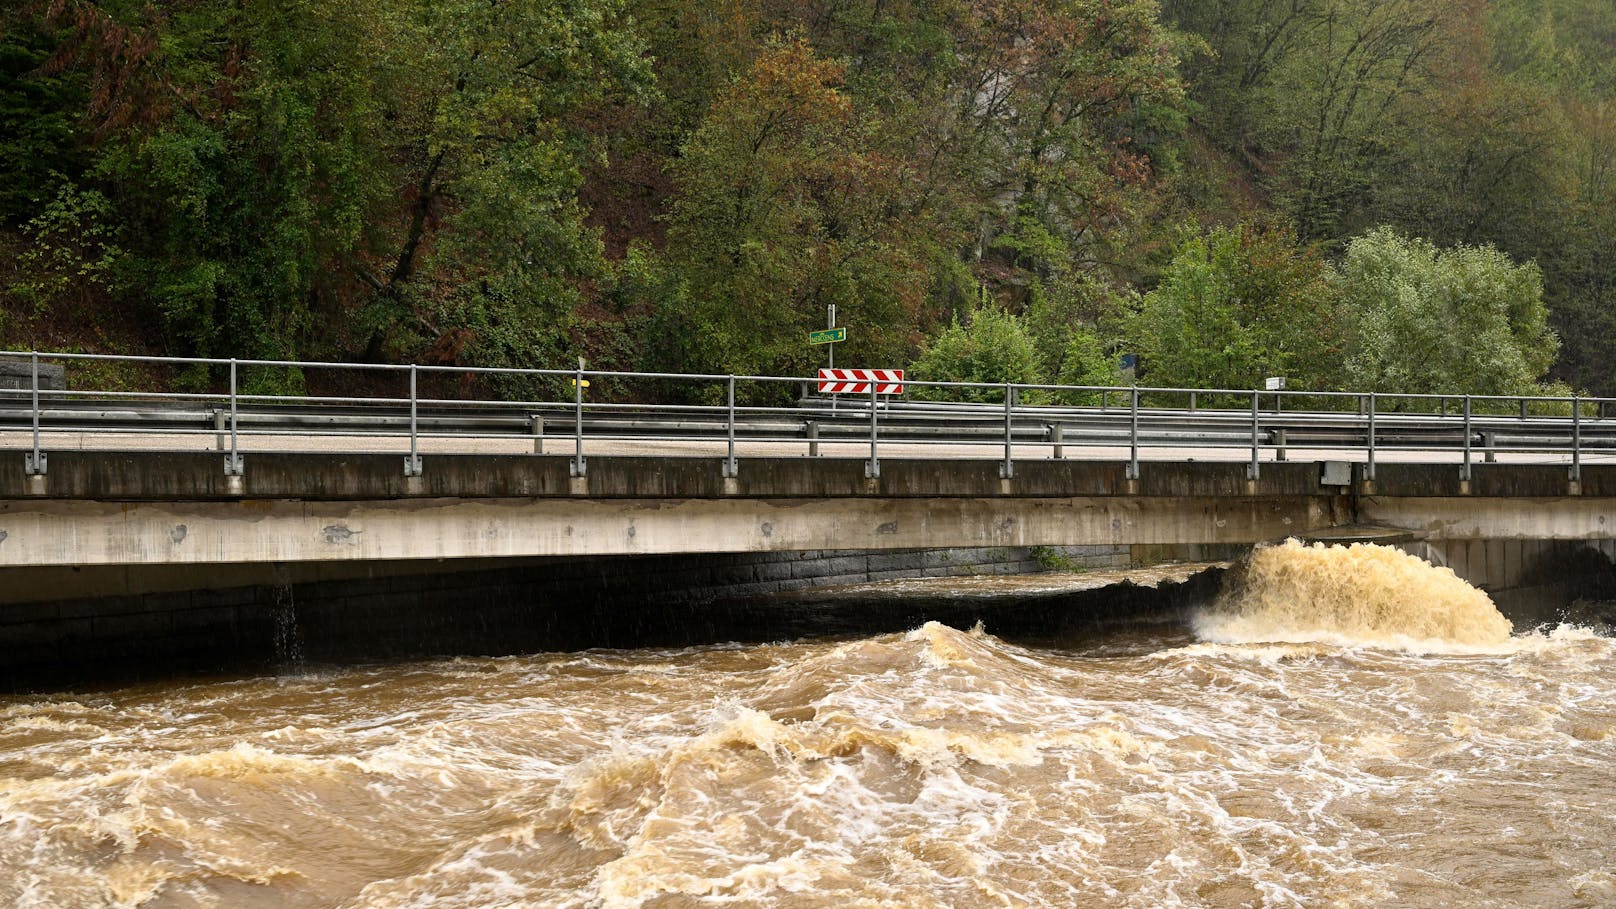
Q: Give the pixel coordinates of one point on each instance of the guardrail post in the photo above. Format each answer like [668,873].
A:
[219,441]
[1464,472]
[412,464]
[232,461]
[578,467]
[1133,434]
[1576,440]
[1057,435]
[34,463]
[1008,468]
[729,462]
[1192,402]
[1369,466]
[538,433]
[1279,445]
[1523,408]
[872,467]
[813,438]
[1254,470]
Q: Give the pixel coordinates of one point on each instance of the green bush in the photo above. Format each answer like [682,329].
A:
[993,347]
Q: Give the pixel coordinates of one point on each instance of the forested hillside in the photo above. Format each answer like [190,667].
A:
[1414,195]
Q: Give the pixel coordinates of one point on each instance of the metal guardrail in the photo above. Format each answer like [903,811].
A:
[1043,418]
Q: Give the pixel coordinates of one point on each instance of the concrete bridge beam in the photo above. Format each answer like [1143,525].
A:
[146,533]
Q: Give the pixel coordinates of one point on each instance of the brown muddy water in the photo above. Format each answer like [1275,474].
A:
[1350,728]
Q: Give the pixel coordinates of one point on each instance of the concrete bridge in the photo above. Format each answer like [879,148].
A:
[168,525]
[177,508]
[121,478]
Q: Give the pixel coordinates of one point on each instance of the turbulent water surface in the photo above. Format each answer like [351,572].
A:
[1390,745]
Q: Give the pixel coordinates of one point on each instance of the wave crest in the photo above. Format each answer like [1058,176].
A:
[1357,595]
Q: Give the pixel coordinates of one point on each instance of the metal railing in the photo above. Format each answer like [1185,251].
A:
[735,416]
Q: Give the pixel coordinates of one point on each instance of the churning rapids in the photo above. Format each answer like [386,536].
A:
[1352,728]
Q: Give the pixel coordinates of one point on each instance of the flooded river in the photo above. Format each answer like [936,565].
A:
[1349,728]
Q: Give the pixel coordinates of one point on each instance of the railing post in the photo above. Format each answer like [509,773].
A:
[578,467]
[1254,470]
[729,462]
[1464,472]
[412,464]
[232,461]
[1369,466]
[1576,440]
[1133,434]
[1008,468]
[872,467]
[34,463]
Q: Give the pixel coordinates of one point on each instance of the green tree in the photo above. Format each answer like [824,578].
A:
[396,174]
[1580,268]
[41,141]
[485,102]
[231,146]
[1236,305]
[993,346]
[1071,303]
[1457,320]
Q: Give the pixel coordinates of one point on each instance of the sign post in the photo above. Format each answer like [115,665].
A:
[830,326]
[830,337]
[1275,384]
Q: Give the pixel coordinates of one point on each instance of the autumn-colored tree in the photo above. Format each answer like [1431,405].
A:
[781,209]
[485,183]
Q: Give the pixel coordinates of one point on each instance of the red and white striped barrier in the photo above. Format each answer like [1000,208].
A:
[858,381]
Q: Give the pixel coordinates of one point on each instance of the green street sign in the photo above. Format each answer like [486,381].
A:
[827,336]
